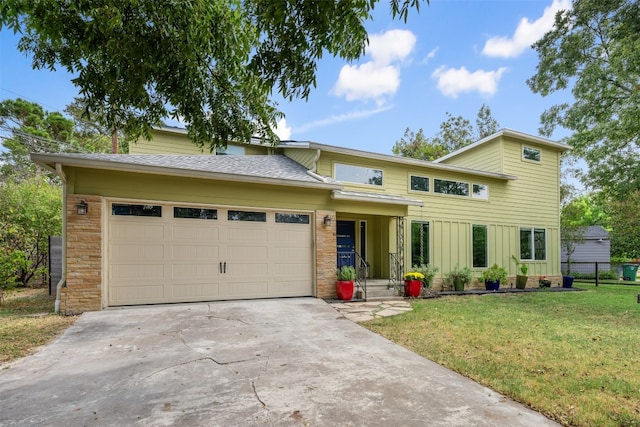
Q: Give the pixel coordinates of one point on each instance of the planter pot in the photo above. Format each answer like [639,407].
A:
[458,285]
[412,288]
[490,285]
[521,281]
[567,281]
[344,289]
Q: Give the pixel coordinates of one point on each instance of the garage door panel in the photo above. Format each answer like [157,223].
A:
[257,253]
[202,232]
[183,252]
[248,234]
[166,259]
[127,251]
[194,271]
[254,289]
[137,232]
[246,269]
[195,290]
[136,272]
[138,294]
[290,288]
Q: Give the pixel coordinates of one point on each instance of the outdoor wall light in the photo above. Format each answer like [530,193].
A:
[82,207]
[327,221]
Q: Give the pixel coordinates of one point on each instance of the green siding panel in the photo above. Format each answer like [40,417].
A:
[302,156]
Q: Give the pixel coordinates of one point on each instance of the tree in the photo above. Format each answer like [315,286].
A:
[92,131]
[416,146]
[455,133]
[212,64]
[27,128]
[625,227]
[594,49]
[30,211]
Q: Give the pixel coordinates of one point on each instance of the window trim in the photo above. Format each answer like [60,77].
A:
[524,159]
[364,184]
[419,221]
[412,190]
[476,197]
[532,241]
[486,245]
[449,194]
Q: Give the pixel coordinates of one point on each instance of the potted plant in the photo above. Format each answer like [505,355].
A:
[458,278]
[492,277]
[543,282]
[344,286]
[413,284]
[428,271]
[522,278]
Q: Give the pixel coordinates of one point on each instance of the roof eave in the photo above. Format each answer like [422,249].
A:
[509,133]
[50,161]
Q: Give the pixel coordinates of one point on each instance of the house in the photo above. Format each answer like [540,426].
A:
[595,246]
[172,222]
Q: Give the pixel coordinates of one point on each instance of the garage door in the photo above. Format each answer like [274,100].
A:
[174,253]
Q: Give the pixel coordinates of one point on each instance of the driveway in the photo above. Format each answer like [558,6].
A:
[274,362]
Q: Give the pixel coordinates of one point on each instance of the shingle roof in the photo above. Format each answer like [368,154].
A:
[275,167]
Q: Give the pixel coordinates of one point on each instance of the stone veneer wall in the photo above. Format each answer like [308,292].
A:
[326,253]
[83,289]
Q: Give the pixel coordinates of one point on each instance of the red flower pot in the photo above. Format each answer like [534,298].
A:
[344,289]
[412,288]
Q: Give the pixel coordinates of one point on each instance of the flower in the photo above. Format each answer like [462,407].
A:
[414,275]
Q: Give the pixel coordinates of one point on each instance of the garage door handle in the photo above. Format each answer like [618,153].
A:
[225,267]
[220,267]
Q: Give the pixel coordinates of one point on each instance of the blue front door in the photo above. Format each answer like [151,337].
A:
[346,241]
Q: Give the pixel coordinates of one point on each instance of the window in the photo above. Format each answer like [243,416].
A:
[480,192]
[247,216]
[455,188]
[358,174]
[195,213]
[532,154]
[419,243]
[136,210]
[290,218]
[479,238]
[419,183]
[230,150]
[533,244]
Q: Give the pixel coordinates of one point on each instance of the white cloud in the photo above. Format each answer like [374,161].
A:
[525,34]
[282,130]
[452,82]
[380,77]
[431,54]
[354,115]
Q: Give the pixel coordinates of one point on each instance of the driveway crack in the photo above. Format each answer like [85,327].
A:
[211,359]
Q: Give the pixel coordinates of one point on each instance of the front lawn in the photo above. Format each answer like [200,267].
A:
[27,322]
[573,356]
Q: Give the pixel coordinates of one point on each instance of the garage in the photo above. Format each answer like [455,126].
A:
[166,253]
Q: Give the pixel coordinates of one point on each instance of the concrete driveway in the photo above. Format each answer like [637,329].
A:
[253,363]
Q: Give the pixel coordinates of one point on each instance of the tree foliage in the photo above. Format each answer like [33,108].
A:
[455,133]
[625,226]
[30,211]
[27,128]
[213,64]
[593,48]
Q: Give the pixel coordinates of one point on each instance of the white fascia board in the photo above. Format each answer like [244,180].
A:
[508,133]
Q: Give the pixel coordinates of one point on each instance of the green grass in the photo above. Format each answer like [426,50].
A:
[27,322]
[574,356]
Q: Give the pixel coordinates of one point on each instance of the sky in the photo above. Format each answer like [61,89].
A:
[452,56]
